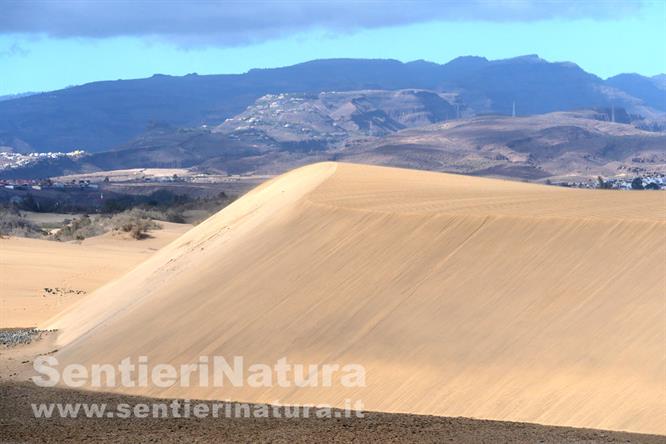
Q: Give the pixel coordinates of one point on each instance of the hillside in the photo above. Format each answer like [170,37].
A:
[460,296]
[648,89]
[102,115]
[559,146]
[328,118]
[279,133]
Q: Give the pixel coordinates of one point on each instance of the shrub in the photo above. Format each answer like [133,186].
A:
[13,223]
[135,222]
[603,184]
[80,228]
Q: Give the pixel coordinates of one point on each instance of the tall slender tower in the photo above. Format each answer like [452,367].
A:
[613,112]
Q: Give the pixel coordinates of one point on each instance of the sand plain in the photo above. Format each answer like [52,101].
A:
[69,270]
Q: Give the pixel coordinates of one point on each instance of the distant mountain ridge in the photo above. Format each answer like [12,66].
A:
[558,146]
[102,115]
[651,90]
[17,95]
[660,80]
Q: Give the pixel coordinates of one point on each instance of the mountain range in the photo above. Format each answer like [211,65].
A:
[520,118]
[102,115]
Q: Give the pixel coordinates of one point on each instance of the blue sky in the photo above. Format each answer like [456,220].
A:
[36,55]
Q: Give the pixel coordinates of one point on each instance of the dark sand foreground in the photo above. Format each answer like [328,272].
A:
[18,424]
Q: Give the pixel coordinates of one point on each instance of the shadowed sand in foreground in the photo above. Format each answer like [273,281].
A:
[19,425]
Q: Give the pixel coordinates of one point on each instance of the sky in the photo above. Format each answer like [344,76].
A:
[47,45]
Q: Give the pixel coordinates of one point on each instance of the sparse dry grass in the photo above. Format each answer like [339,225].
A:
[136,223]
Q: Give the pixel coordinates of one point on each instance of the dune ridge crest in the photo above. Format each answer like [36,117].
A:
[460,296]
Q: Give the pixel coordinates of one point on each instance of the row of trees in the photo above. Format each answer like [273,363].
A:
[636,184]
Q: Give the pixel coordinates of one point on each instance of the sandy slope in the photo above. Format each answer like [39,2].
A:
[461,296]
[28,266]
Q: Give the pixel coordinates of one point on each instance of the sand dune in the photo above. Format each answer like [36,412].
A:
[461,296]
[28,266]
